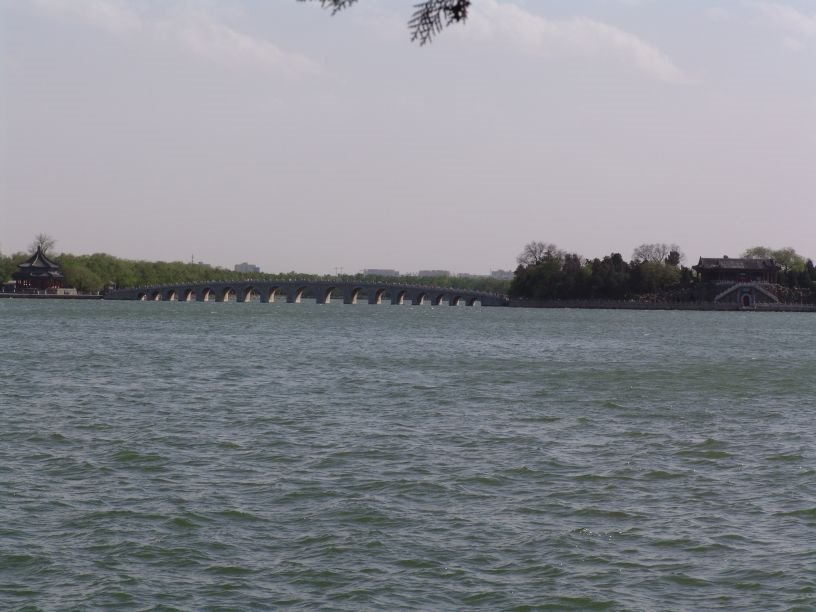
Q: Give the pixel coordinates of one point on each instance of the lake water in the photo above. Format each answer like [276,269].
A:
[236,456]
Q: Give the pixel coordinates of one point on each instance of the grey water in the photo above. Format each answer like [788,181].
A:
[300,456]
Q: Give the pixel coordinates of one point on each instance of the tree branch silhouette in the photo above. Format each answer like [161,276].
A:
[429,18]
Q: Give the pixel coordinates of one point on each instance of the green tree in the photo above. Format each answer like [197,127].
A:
[787,257]
[9,263]
[656,277]
[757,252]
[6,268]
[79,276]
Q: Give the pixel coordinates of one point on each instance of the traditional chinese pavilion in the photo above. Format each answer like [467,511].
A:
[38,273]
[745,282]
[738,270]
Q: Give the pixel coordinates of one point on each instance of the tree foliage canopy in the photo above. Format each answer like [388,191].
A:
[787,257]
[655,273]
[535,253]
[429,18]
[98,272]
[658,252]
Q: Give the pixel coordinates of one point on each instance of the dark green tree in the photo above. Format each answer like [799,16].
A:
[537,252]
[9,263]
[674,258]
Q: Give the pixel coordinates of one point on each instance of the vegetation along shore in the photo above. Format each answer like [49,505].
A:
[546,276]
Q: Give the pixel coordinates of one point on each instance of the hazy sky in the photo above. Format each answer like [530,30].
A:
[271,132]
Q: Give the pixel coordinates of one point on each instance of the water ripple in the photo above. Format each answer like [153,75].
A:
[224,456]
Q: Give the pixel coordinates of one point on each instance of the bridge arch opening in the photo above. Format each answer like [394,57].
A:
[474,301]
[377,296]
[188,295]
[270,295]
[420,299]
[228,294]
[398,297]
[141,297]
[207,295]
[155,296]
[249,294]
[171,296]
[296,295]
[437,300]
[324,295]
[455,300]
[353,294]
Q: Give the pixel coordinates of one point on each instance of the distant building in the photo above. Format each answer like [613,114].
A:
[501,274]
[429,273]
[726,269]
[38,274]
[468,275]
[380,272]
[746,282]
[246,267]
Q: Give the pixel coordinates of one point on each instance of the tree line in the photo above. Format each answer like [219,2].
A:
[99,272]
[655,272]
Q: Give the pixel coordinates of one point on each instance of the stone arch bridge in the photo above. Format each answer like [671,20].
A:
[323,292]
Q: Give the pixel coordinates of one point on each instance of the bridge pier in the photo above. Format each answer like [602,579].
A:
[350,295]
[323,295]
[375,296]
[293,296]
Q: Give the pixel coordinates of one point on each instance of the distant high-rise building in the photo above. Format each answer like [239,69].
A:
[429,273]
[501,274]
[380,272]
[246,267]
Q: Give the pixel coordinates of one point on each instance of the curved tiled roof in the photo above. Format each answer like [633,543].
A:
[38,261]
[727,263]
[37,266]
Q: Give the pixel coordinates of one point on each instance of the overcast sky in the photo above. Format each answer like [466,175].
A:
[272,132]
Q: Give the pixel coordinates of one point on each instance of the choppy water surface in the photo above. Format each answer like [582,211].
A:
[203,456]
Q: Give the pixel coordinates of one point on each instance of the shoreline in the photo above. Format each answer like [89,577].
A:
[699,306]
[42,296]
[549,304]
